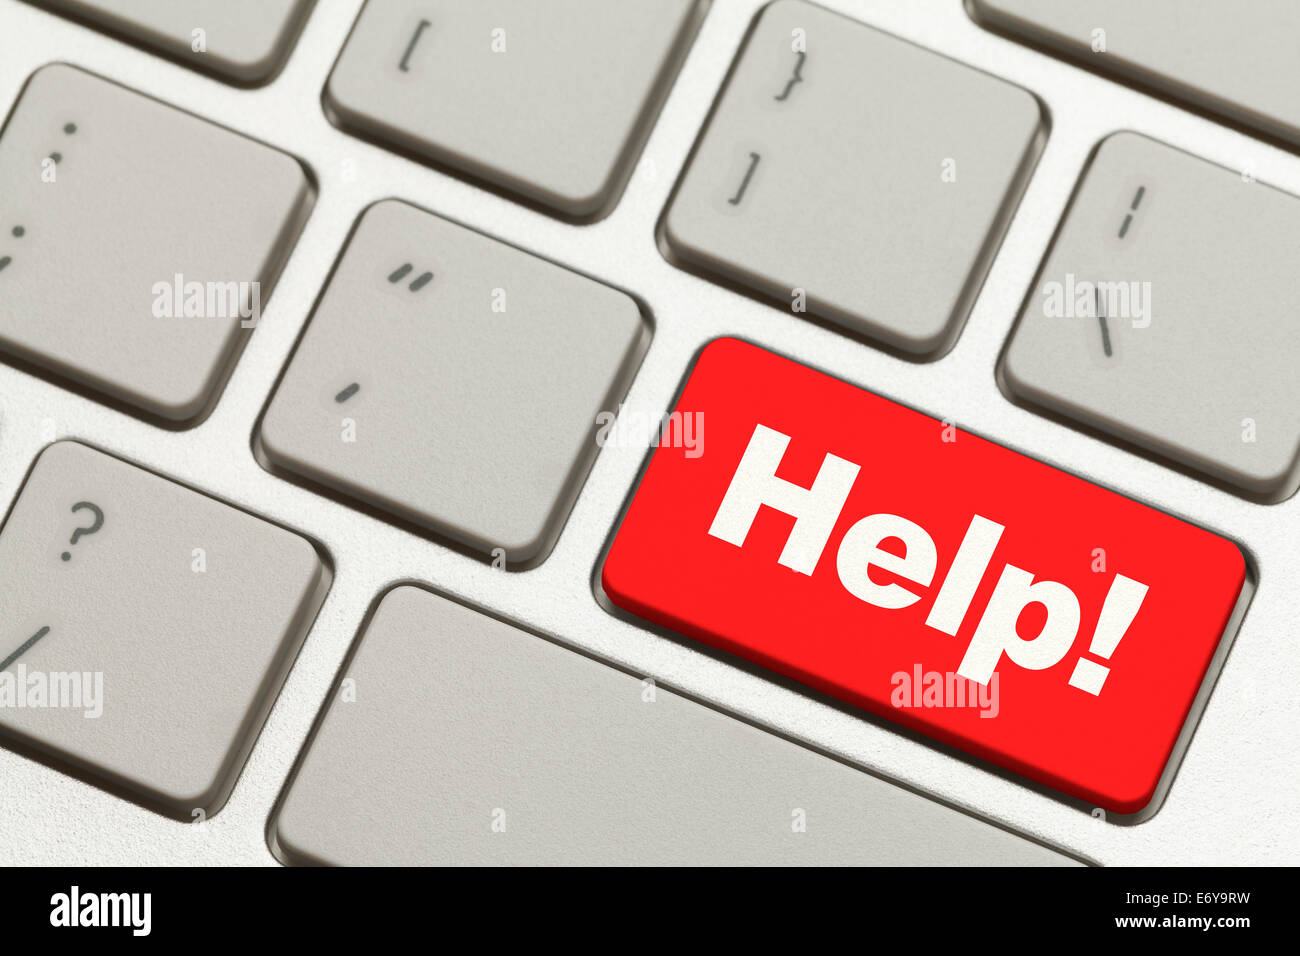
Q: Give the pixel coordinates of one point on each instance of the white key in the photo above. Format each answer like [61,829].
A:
[1236,59]
[169,620]
[854,176]
[1192,352]
[245,41]
[455,382]
[457,739]
[138,243]
[548,100]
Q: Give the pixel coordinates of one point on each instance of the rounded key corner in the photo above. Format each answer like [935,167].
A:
[672,245]
[256,69]
[1119,135]
[1041,118]
[269,451]
[929,347]
[583,206]
[64,446]
[1136,806]
[286,850]
[313,554]
[183,412]
[336,108]
[532,552]
[723,347]
[1011,380]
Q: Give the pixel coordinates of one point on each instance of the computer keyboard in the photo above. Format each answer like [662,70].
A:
[462,400]
[556,116]
[1234,60]
[153,315]
[667,781]
[338,342]
[166,623]
[1189,262]
[243,41]
[878,213]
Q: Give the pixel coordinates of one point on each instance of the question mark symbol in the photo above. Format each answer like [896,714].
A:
[80,533]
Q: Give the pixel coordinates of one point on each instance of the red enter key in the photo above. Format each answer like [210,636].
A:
[926,575]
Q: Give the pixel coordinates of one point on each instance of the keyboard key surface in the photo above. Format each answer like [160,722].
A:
[930,577]
[854,176]
[153,315]
[454,382]
[455,738]
[241,40]
[550,101]
[1237,60]
[1155,317]
[169,618]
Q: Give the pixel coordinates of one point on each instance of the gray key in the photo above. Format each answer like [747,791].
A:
[241,40]
[161,623]
[1159,316]
[454,382]
[855,176]
[1237,60]
[548,100]
[137,243]
[455,738]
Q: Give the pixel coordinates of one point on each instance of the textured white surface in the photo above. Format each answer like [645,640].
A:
[1233,800]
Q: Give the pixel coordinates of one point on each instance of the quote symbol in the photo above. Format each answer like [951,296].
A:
[97,522]
[406,268]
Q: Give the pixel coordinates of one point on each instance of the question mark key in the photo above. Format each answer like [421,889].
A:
[168,587]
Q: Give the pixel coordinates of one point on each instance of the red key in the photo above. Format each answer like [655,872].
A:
[931,577]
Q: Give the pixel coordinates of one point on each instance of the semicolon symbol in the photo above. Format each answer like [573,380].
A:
[744,183]
[404,66]
[23,648]
[796,77]
[404,270]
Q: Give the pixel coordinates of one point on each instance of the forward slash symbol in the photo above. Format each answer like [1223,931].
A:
[347,393]
[26,646]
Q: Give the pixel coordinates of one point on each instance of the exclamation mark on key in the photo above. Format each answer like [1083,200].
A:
[1123,601]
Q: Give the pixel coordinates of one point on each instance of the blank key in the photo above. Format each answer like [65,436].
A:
[454,382]
[856,177]
[454,738]
[548,100]
[1161,316]
[1239,60]
[159,623]
[138,244]
[240,40]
